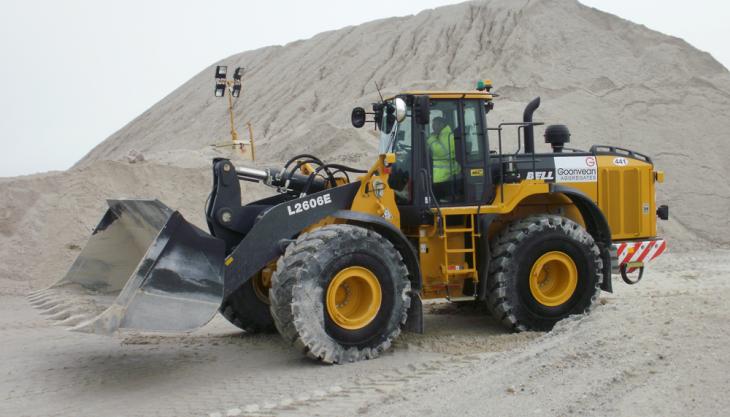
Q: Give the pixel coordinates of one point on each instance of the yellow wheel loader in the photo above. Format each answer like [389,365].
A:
[339,267]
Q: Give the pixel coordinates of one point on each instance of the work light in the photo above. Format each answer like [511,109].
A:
[238,74]
[220,90]
[220,80]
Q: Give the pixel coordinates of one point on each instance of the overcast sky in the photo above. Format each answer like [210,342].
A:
[73,72]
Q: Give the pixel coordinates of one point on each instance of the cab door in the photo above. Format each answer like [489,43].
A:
[477,183]
[456,144]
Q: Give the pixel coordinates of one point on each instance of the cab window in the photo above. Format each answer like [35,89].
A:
[401,171]
[477,185]
[473,137]
[444,155]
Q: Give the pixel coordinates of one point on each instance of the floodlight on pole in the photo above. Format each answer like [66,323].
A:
[237,75]
[220,80]
[234,91]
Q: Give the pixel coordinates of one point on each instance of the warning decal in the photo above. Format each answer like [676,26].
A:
[576,169]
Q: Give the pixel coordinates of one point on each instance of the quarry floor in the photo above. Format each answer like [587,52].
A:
[660,348]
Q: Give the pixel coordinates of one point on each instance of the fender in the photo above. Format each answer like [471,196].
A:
[407,251]
[595,223]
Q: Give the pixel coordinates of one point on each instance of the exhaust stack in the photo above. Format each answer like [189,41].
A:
[529,130]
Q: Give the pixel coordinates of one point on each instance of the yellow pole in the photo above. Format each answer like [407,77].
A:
[250,141]
[234,134]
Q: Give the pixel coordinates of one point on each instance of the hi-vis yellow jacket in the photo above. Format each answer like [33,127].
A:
[443,155]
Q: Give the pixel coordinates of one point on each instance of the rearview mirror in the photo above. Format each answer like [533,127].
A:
[358,117]
[422,109]
[400,110]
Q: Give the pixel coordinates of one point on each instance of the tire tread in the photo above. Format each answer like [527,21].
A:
[502,265]
[303,261]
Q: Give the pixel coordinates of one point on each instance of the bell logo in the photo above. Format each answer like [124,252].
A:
[540,175]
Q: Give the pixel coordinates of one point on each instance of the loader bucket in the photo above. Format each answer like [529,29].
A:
[144,268]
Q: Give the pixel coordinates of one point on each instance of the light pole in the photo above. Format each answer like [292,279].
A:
[222,83]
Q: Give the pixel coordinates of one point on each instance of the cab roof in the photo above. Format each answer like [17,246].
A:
[473,94]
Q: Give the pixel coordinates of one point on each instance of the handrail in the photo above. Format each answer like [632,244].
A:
[520,127]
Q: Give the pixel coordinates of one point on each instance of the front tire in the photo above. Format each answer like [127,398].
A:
[543,269]
[248,307]
[340,294]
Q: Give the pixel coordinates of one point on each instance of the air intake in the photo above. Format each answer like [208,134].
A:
[557,136]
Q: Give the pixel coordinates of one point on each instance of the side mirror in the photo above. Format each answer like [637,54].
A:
[358,117]
[400,110]
[422,109]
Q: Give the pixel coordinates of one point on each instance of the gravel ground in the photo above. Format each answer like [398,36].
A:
[656,349]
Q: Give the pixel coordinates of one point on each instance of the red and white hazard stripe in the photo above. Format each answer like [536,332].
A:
[639,251]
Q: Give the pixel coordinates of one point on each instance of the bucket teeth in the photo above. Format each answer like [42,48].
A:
[48,303]
[34,300]
[61,315]
[73,320]
[42,299]
[56,309]
[39,292]
[64,310]
[36,295]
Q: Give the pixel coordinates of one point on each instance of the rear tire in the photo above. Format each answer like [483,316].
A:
[543,269]
[247,310]
[340,294]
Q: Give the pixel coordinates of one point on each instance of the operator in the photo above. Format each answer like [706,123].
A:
[446,169]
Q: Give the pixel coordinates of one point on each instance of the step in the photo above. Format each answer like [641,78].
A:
[468,250]
[460,271]
[463,298]
[458,230]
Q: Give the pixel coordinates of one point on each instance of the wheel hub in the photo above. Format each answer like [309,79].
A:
[261,287]
[553,278]
[353,297]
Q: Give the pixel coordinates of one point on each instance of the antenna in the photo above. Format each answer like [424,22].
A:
[379,93]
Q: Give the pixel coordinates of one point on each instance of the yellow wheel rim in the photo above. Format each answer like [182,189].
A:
[553,278]
[260,288]
[353,298]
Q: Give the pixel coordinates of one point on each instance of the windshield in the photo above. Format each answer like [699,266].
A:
[396,138]
[387,123]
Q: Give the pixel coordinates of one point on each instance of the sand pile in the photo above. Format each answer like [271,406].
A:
[46,219]
[612,81]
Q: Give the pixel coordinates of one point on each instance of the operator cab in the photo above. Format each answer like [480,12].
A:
[441,147]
